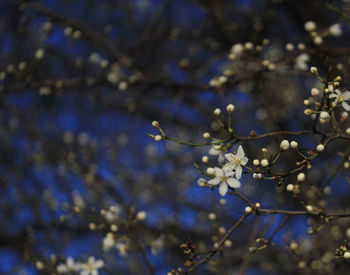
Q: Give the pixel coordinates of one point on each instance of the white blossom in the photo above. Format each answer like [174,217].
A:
[310,26]
[335,30]
[157,245]
[108,242]
[224,178]
[237,49]
[341,98]
[122,248]
[91,266]
[69,267]
[301,62]
[324,115]
[216,150]
[235,161]
[141,215]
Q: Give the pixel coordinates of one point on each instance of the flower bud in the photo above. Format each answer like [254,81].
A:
[315,92]
[294,144]
[314,70]
[155,124]
[256,162]
[205,159]
[158,138]
[310,26]
[210,171]
[347,255]
[290,187]
[207,136]
[301,177]
[230,108]
[308,112]
[141,215]
[284,145]
[320,148]
[324,115]
[217,112]
[264,163]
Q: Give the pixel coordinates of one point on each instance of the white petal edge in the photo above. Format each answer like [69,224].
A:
[218,172]
[238,172]
[346,106]
[240,152]
[223,189]
[214,181]
[233,183]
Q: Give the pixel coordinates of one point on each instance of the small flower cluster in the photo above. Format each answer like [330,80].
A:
[224,177]
[324,102]
[343,251]
[90,267]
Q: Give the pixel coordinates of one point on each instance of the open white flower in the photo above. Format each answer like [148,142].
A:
[301,62]
[108,242]
[69,267]
[235,161]
[216,150]
[91,266]
[341,98]
[122,247]
[224,177]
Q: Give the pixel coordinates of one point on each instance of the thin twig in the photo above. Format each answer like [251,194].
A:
[213,251]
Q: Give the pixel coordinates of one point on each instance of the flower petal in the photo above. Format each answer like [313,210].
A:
[233,183]
[213,152]
[223,189]
[244,160]
[238,172]
[230,157]
[221,157]
[346,95]
[240,152]
[345,106]
[218,172]
[228,167]
[214,181]
[99,264]
[230,174]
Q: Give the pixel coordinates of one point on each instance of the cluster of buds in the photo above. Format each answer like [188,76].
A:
[332,92]
[285,144]
[343,251]
[318,35]
[160,137]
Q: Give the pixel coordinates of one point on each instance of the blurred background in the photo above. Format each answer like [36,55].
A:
[81,82]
